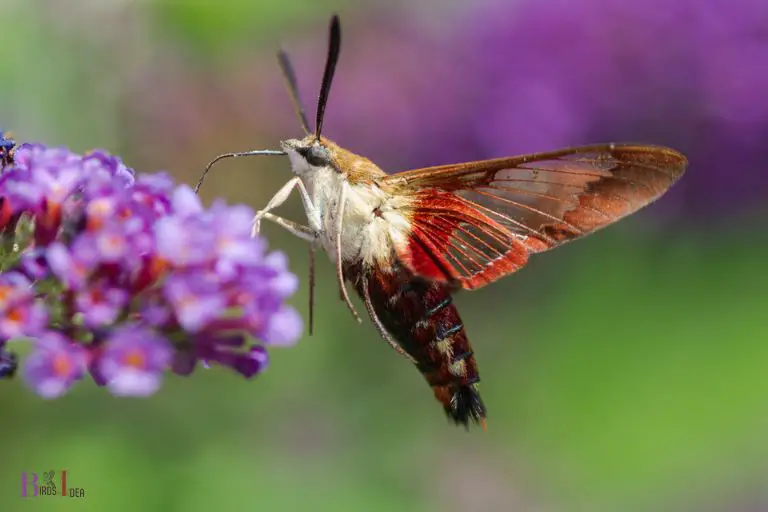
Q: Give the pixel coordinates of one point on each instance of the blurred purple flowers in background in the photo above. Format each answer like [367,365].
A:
[687,74]
[518,77]
[125,277]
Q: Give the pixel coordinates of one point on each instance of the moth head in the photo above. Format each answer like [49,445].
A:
[308,154]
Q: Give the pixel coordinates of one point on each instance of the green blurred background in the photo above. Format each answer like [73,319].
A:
[626,372]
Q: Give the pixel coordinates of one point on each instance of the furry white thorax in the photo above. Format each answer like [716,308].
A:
[372,226]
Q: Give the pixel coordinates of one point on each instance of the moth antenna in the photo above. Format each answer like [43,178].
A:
[293,90]
[334,45]
[258,152]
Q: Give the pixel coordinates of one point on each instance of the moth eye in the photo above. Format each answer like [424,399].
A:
[316,156]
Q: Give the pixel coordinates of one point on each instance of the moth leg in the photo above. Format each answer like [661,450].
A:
[309,233]
[339,270]
[312,251]
[311,236]
[313,214]
[278,199]
[313,218]
[379,326]
[294,228]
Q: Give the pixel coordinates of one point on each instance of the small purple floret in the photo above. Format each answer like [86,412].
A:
[56,363]
[101,304]
[196,299]
[132,361]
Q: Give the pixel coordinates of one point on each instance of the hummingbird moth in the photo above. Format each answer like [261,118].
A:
[407,241]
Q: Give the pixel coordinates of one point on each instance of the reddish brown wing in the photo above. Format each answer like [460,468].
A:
[475,222]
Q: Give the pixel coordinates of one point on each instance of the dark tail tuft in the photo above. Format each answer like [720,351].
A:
[466,405]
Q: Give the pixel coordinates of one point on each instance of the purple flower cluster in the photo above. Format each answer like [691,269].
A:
[125,277]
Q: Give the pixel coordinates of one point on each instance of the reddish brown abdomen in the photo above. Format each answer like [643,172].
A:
[420,315]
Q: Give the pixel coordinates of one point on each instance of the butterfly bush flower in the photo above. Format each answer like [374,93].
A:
[124,277]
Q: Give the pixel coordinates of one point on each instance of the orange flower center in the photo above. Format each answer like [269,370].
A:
[114,240]
[100,207]
[98,211]
[62,366]
[15,315]
[135,358]
[157,267]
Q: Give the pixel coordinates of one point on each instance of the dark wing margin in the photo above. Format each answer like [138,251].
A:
[475,222]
